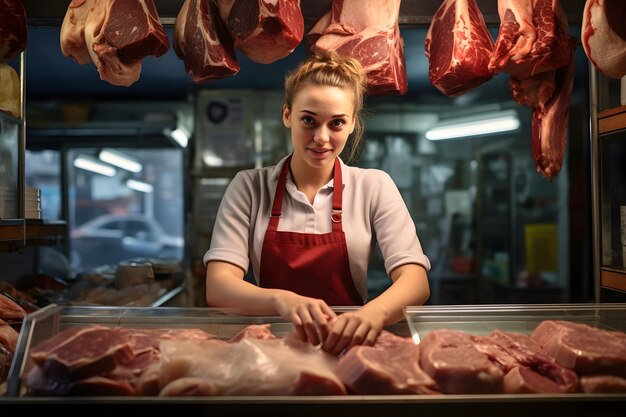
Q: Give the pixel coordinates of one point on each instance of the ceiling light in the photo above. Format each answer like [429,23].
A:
[92,164]
[120,160]
[487,124]
[180,135]
[141,186]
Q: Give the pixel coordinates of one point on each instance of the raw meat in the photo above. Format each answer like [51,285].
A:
[528,368]
[583,348]
[9,310]
[533,38]
[549,126]
[367,30]
[604,36]
[8,342]
[368,370]
[264,30]
[73,31]
[602,384]
[119,34]
[534,46]
[250,366]
[202,41]
[13,33]
[458,47]
[453,360]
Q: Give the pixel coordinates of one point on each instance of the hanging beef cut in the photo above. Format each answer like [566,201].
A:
[368,31]
[202,41]
[604,36]
[458,47]
[113,34]
[264,30]
[533,38]
[13,34]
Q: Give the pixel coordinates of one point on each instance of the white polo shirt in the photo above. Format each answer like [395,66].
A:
[373,213]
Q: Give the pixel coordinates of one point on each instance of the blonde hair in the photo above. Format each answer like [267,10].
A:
[327,68]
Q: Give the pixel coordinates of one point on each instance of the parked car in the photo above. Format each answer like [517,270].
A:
[110,238]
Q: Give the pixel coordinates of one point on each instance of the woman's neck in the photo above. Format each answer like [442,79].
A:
[308,179]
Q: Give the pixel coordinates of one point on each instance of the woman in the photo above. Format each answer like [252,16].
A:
[288,222]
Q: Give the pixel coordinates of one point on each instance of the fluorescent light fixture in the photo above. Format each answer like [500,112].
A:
[120,160]
[141,186]
[180,135]
[92,164]
[505,121]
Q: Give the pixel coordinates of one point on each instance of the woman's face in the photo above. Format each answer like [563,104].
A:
[321,118]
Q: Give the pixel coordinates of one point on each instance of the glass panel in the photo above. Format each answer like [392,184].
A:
[111,222]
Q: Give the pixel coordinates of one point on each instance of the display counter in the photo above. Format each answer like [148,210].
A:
[420,321]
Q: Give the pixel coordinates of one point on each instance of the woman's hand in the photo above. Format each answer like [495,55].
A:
[309,316]
[361,327]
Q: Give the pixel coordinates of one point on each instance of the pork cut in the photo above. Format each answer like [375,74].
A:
[368,370]
[118,34]
[458,47]
[368,31]
[13,33]
[604,36]
[528,368]
[582,348]
[264,30]
[453,359]
[202,41]
[533,38]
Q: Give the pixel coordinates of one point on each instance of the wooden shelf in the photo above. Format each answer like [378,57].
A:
[613,278]
[18,233]
[611,120]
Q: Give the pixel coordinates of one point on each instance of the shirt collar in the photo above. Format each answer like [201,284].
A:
[279,166]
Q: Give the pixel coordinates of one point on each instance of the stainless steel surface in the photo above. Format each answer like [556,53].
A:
[595,179]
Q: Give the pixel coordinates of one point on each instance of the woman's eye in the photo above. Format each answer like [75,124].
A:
[307,120]
[338,123]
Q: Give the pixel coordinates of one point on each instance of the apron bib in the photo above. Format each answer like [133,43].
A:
[312,265]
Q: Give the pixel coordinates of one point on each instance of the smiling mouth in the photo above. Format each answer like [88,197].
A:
[319,150]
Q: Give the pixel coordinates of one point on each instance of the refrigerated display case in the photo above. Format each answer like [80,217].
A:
[419,322]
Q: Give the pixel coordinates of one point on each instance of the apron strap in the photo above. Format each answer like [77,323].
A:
[277,205]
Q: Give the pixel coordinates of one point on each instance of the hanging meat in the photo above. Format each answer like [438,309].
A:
[458,47]
[604,36]
[533,38]
[115,34]
[534,47]
[202,41]
[264,30]
[368,31]
[13,34]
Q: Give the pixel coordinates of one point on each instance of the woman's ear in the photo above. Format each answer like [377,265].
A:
[286,118]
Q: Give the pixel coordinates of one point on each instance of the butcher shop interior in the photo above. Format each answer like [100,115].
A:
[511,167]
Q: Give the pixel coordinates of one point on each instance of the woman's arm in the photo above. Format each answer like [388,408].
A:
[410,287]
[225,287]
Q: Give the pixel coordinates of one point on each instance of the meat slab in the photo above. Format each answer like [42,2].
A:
[368,31]
[113,34]
[559,357]
[204,44]
[604,36]
[13,34]
[458,47]
[264,30]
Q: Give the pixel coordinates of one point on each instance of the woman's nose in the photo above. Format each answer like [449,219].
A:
[321,135]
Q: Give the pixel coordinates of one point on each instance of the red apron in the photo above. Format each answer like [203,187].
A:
[313,265]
